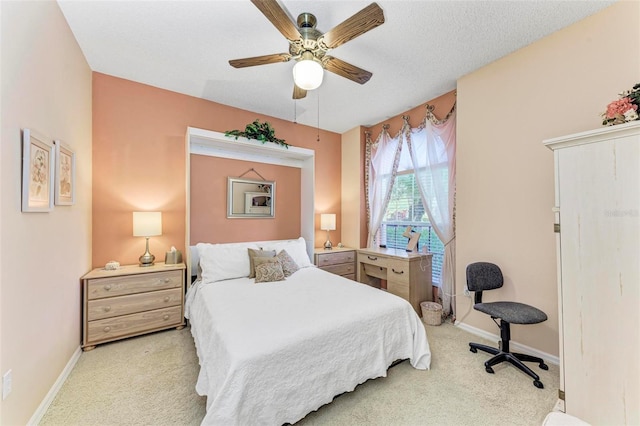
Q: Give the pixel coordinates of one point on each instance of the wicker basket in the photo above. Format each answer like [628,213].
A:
[431,313]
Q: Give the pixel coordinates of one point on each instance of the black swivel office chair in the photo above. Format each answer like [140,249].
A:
[487,276]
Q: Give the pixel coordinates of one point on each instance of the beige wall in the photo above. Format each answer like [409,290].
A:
[505,181]
[352,185]
[46,86]
[139,162]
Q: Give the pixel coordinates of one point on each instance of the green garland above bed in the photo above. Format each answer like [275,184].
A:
[259,131]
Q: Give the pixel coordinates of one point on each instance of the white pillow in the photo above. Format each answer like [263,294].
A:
[297,249]
[224,261]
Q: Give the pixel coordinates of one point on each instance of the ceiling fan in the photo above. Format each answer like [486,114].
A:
[309,46]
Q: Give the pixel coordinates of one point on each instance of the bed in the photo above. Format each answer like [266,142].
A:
[271,352]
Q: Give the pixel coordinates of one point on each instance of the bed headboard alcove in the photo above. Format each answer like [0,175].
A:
[216,144]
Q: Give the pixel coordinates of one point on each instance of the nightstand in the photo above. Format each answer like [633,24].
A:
[339,261]
[130,301]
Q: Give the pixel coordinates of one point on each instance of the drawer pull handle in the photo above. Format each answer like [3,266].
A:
[107,308]
[372,257]
[165,317]
[167,280]
[396,272]
[107,329]
[107,287]
[166,299]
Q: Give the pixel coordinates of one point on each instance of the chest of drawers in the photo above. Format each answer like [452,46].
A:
[130,301]
[339,261]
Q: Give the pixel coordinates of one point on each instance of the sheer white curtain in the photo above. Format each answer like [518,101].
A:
[432,147]
[382,159]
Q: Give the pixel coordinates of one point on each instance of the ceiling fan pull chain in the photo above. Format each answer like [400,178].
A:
[318,140]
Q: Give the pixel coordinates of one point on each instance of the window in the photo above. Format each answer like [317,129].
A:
[405,209]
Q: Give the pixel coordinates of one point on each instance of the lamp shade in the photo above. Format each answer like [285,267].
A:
[147,224]
[328,222]
[307,74]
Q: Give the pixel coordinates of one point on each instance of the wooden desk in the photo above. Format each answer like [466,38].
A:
[407,275]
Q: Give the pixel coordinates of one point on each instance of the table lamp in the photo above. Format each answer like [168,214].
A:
[147,224]
[328,223]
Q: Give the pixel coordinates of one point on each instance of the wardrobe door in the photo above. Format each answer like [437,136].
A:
[599,187]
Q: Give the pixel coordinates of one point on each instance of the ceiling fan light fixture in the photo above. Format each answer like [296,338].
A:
[308,46]
[308,74]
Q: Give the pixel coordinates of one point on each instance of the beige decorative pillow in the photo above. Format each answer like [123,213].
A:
[289,266]
[268,270]
[260,260]
[253,254]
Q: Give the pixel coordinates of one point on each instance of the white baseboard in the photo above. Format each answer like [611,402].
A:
[515,346]
[46,402]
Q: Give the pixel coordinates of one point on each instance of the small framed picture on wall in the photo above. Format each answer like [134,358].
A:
[65,181]
[37,172]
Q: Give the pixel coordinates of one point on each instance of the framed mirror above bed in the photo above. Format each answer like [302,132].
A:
[200,144]
[249,198]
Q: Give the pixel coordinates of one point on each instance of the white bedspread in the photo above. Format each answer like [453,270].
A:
[270,353]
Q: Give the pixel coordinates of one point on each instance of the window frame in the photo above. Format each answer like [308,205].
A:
[432,240]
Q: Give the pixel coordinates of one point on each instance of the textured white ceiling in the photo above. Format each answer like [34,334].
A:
[416,55]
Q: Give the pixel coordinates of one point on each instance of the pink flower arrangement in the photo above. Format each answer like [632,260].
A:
[624,109]
[619,107]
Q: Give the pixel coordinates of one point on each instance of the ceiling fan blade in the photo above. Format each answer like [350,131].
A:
[298,93]
[346,70]
[260,60]
[363,21]
[279,18]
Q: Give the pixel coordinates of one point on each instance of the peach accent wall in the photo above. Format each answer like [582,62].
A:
[209,222]
[46,86]
[556,86]
[139,163]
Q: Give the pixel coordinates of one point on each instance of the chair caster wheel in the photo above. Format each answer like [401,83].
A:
[538,384]
[474,350]
[490,370]
[544,366]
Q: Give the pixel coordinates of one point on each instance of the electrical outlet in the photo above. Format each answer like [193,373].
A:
[6,385]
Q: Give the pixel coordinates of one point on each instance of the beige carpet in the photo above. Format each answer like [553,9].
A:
[150,380]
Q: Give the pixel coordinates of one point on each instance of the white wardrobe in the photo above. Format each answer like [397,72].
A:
[598,216]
